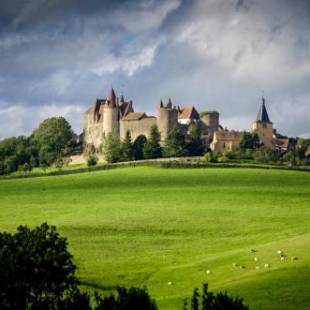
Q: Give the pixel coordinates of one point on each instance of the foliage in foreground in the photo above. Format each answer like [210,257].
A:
[37,272]
[210,301]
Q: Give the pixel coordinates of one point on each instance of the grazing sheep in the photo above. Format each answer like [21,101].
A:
[266,265]
[253,250]
[242,267]
[235,264]
[282,258]
[279,252]
[208,271]
[170,283]
[257,267]
[255,259]
[294,258]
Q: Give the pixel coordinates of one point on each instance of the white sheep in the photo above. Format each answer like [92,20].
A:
[170,283]
[266,265]
[282,258]
[255,259]
[279,252]
[208,271]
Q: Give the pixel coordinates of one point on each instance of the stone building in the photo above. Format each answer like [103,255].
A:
[224,140]
[116,116]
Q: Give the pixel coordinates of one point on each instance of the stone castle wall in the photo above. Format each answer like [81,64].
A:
[137,127]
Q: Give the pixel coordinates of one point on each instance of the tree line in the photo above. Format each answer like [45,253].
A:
[175,145]
[47,145]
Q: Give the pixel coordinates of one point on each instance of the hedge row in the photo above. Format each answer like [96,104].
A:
[155,163]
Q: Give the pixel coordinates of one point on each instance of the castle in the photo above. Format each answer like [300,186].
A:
[116,116]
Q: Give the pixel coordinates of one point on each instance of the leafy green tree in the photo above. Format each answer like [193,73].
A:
[249,141]
[212,301]
[127,148]
[265,155]
[152,147]
[195,146]
[111,148]
[36,270]
[52,137]
[138,146]
[175,145]
[16,152]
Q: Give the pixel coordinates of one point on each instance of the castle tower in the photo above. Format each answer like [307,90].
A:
[167,119]
[211,120]
[111,115]
[263,126]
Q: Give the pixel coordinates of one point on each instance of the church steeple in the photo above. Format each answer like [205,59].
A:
[262,115]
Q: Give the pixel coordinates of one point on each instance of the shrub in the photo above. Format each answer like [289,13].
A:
[210,157]
[138,146]
[92,160]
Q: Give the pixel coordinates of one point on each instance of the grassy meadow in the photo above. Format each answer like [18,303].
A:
[150,226]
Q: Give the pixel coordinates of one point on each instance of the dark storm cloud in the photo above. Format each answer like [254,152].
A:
[58,56]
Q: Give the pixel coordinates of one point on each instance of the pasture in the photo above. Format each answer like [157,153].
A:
[150,226]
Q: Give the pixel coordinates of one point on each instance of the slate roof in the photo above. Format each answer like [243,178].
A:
[262,115]
[134,116]
[188,113]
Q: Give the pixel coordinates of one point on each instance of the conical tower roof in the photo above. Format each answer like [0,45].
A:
[161,105]
[169,105]
[262,115]
[112,98]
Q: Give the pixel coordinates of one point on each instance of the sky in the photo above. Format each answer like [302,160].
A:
[57,57]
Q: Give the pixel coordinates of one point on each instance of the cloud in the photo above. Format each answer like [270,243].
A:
[16,118]
[212,54]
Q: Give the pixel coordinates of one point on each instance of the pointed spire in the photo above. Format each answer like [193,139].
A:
[122,99]
[262,115]
[169,105]
[161,105]
[112,99]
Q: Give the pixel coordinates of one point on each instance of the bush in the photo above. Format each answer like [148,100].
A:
[211,301]
[210,157]
[92,160]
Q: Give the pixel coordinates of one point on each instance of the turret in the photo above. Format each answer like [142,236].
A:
[167,119]
[211,120]
[111,115]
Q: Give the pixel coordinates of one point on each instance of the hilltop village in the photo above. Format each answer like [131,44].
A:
[117,116]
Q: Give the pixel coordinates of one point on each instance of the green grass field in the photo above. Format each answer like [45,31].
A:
[148,226]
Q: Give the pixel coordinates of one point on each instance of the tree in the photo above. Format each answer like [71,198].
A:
[152,147]
[127,148]
[211,301]
[138,146]
[36,270]
[133,298]
[249,141]
[52,137]
[195,146]
[175,144]
[111,148]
